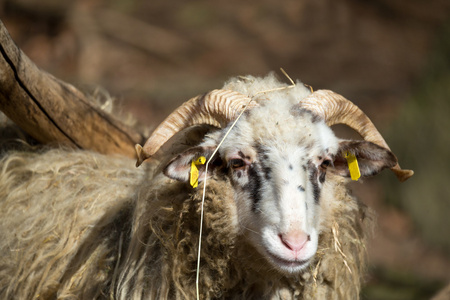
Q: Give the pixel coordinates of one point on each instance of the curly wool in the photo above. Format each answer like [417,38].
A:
[59,220]
[76,224]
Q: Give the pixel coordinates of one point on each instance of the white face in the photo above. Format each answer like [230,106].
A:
[276,157]
[277,176]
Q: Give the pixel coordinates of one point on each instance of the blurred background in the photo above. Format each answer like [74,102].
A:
[390,57]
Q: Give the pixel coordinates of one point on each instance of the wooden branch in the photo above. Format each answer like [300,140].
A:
[53,111]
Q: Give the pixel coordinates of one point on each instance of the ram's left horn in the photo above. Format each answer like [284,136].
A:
[336,109]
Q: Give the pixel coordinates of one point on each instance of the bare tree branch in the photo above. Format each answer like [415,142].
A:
[53,111]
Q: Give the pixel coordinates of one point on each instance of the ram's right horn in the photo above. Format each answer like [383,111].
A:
[216,108]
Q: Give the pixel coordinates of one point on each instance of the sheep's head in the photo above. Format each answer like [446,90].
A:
[277,157]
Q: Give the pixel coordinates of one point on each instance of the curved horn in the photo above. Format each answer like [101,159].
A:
[216,108]
[336,109]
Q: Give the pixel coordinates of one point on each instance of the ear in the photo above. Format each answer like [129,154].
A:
[371,158]
[179,167]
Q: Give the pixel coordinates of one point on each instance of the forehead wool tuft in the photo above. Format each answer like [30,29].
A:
[278,121]
[263,88]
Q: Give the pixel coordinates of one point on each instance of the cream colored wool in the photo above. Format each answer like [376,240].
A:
[60,220]
[78,225]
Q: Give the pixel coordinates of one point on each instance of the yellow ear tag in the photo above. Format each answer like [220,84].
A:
[193,178]
[353,166]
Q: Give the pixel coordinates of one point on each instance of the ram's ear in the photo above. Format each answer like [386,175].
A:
[371,158]
[179,167]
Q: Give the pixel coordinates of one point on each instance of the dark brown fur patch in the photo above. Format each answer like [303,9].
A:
[254,185]
[313,176]
[262,158]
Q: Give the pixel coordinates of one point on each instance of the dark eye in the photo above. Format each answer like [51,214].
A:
[325,163]
[236,163]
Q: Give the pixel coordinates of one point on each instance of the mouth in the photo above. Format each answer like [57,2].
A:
[290,265]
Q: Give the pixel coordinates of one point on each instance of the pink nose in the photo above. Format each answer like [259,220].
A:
[294,240]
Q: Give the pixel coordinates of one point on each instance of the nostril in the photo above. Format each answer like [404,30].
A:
[294,240]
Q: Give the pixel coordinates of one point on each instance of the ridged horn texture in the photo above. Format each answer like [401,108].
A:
[216,108]
[336,109]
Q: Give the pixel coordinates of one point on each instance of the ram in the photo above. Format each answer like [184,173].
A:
[279,221]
